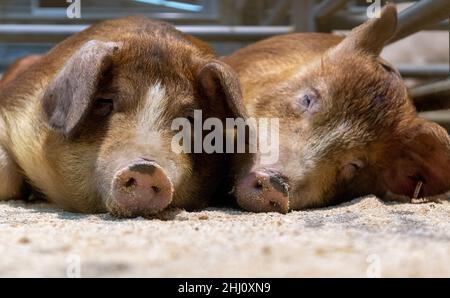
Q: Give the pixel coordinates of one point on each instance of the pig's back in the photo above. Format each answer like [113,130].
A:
[272,61]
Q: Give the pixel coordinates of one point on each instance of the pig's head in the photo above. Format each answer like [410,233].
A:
[347,128]
[111,108]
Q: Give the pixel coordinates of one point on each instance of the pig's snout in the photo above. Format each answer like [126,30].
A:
[263,191]
[142,188]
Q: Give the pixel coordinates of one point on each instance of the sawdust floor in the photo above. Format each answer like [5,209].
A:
[365,237]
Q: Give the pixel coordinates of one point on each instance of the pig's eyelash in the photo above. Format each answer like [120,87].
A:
[387,67]
[103,106]
[306,100]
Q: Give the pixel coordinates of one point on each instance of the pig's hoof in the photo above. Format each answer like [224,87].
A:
[263,191]
[142,188]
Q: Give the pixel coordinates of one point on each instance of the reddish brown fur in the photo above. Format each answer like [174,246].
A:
[17,68]
[75,170]
[363,115]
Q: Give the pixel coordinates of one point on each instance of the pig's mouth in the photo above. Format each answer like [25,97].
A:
[141,188]
[263,190]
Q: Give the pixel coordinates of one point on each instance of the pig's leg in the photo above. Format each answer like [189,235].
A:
[10,178]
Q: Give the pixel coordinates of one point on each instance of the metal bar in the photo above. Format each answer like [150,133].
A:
[424,71]
[441,87]
[40,33]
[440,117]
[421,15]
[324,11]
[327,8]
[301,18]
[278,13]
[241,33]
[95,16]
[434,96]
[441,26]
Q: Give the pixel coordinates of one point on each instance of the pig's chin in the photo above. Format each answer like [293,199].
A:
[116,210]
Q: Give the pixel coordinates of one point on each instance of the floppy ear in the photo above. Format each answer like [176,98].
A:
[220,85]
[423,155]
[371,36]
[70,95]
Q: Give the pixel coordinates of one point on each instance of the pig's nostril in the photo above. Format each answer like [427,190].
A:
[263,191]
[130,183]
[142,188]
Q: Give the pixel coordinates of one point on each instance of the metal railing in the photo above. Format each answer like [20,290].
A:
[295,15]
[422,15]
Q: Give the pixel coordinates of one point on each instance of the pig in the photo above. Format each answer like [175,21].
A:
[17,68]
[347,126]
[88,125]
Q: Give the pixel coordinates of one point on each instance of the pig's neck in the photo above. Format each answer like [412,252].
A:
[43,156]
[26,133]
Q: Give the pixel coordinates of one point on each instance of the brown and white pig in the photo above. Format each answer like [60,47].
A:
[347,127]
[88,125]
[18,67]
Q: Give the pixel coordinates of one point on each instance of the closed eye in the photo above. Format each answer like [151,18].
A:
[306,101]
[103,107]
[386,66]
[356,166]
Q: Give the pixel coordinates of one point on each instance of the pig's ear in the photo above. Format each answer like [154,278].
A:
[220,85]
[69,97]
[371,36]
[423,154]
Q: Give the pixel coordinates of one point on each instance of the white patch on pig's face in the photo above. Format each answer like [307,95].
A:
[322,143]
[152,109]
[315,165]
[151,133]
